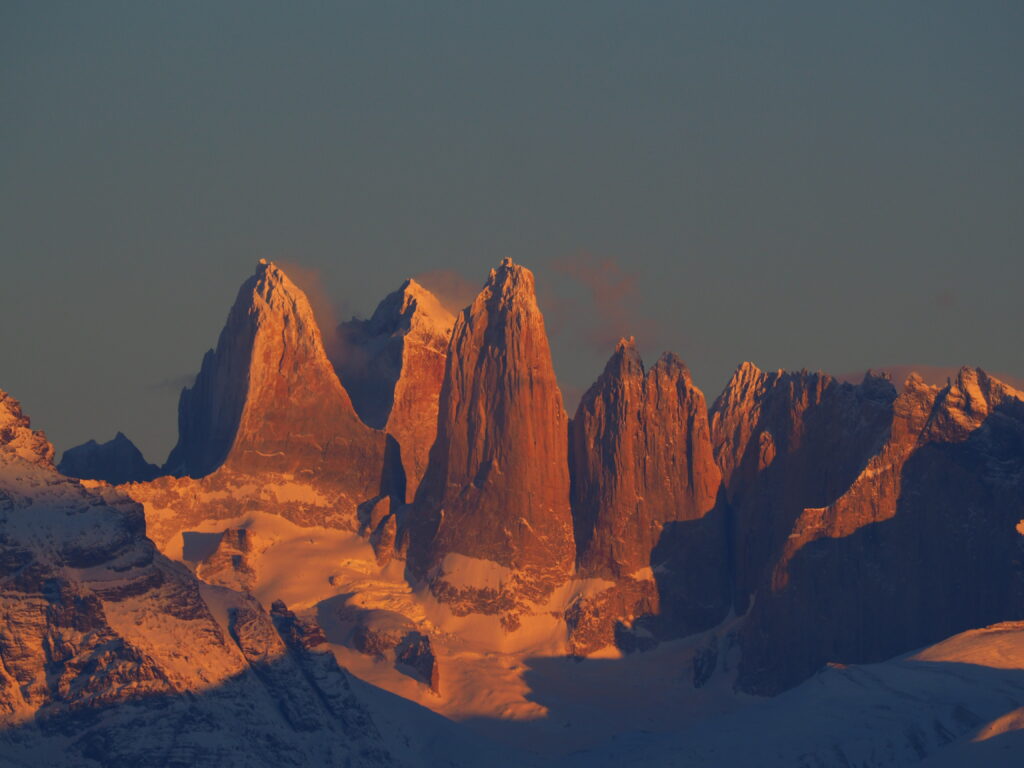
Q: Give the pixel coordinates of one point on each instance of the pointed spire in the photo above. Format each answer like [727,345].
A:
[267,399]
[499,468]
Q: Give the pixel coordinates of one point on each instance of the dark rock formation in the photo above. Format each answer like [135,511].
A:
[382,633]
[919,546]
[377,632]
[115,461]
[415,655]
[786,441]
[494,503]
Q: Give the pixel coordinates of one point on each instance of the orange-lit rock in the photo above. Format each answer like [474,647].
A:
[267,424]
[268,400]
[643,477]
[494,522]
[392,365]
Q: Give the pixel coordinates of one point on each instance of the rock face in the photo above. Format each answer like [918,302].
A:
[392,366]
[493,507]
[643,480]
[112,655]
[268,425]
[641,458]
[920,545]
[381,633]
[268,400]
[786,441]
[116,461]
[229,565]
[17,438]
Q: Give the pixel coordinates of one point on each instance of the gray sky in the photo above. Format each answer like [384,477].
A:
[819,185]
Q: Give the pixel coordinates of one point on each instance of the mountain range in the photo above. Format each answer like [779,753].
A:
[387,543]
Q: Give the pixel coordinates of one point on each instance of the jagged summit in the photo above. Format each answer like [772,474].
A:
[268,399]
[641,457]
[115,461]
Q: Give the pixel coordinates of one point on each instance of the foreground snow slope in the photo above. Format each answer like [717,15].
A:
[955,703]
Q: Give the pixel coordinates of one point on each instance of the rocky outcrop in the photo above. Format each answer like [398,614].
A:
[392,366]
[786,441]
[920,545]
[230,564]
[17,438]
[115,461]
[112,655]
[384,634]
[415,656]
[493,509]
[642,471]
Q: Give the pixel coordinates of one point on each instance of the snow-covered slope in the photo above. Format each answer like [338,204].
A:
[955,703]
[111,654]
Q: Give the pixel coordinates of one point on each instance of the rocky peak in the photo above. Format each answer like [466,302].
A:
[392,366]
[115,461]
[786,441]
[17,436]
[268,399]
[641,459]
[497,485]
[964,404]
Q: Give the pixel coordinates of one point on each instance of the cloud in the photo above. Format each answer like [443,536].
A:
[609,309]
[453,289]
[326,311]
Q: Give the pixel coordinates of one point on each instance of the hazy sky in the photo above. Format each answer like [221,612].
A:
[817,184]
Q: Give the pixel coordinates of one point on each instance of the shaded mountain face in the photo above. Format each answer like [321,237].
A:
[112,655]
[493,506]
[921,544]
[643,481]
[115,461]
[392,366]
[786,441]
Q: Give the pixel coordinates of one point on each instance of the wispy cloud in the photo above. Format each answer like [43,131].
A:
[610,307]
[453,289]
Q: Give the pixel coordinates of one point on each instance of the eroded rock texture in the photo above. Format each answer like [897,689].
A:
[922,544]
[495,497]
[786,441]
[112,655]
[643,481]
[268,425]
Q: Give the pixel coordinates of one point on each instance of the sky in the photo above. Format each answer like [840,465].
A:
[814,185]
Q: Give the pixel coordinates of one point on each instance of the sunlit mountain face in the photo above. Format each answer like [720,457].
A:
[386,543]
